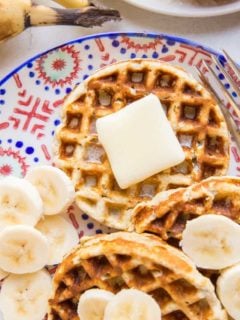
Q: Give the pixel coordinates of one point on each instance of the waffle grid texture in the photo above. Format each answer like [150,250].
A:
[194,116]
[129,260]
[167,213]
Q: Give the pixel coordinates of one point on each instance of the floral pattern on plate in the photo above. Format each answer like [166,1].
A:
[31,96]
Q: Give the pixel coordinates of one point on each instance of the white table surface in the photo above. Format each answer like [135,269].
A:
[217,32]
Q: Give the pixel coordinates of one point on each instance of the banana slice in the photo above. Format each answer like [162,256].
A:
[228,290]
[25,297]
[132,304]
[212,241]
[20,203]
[3,275]
[55,188]
[23,249]
[61,235]
[92,304]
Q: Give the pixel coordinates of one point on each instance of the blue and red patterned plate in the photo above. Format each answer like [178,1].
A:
[31,96]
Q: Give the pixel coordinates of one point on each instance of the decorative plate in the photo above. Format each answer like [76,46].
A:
[31,96]
[189,8]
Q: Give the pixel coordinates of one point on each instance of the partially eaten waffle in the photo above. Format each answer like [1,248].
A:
[194,116]
[167,214]
[129,260]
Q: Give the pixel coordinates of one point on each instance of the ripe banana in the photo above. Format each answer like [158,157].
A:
[25,297]
[20,203]
[61,235]
[73,3]
[228,288]
[23,249]
[132,304]
[55,188]
[17,15]
[12,17]
[92,304]
[212,241]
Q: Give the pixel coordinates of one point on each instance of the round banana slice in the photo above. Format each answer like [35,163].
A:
[61,235]
[23,249]
[132,304]
[25,297]
[3,275]
[20,203]
[228,285]
[212,241]
[92,304]
[55,188]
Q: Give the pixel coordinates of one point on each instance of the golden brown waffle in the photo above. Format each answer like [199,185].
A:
[129,260]
[192,112]
[167,213]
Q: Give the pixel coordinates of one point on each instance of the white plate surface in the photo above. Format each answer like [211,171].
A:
[189,8]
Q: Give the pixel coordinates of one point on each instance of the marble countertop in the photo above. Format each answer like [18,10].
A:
[216,32]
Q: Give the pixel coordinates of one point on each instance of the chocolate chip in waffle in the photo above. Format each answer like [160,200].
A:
[168,212]
[129,260]
[194,116]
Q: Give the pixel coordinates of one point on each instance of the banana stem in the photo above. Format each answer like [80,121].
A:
[40,15]
[85,17]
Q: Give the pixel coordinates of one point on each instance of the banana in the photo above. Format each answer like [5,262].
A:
[12,19]
[3,275]
[92,304]
[17,15]
[132,304]
[212,241]
[20,203]
[61,235]
[228,290]
[23,249]
[55,188]
[73,3]
[25,297]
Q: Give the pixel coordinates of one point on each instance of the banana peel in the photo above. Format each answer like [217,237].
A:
[17,15]
[12,17]
[73,3]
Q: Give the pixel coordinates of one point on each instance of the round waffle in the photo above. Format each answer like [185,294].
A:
[168,212]
[194,116]
[129,260]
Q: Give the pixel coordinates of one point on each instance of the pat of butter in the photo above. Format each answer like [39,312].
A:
[139,141]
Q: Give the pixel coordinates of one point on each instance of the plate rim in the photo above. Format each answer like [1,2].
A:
[110,34]
[195,14]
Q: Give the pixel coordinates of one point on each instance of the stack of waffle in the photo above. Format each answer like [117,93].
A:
[162,204]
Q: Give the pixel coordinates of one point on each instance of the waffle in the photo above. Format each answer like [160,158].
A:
[129,260]
[192,112]
[167,213]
